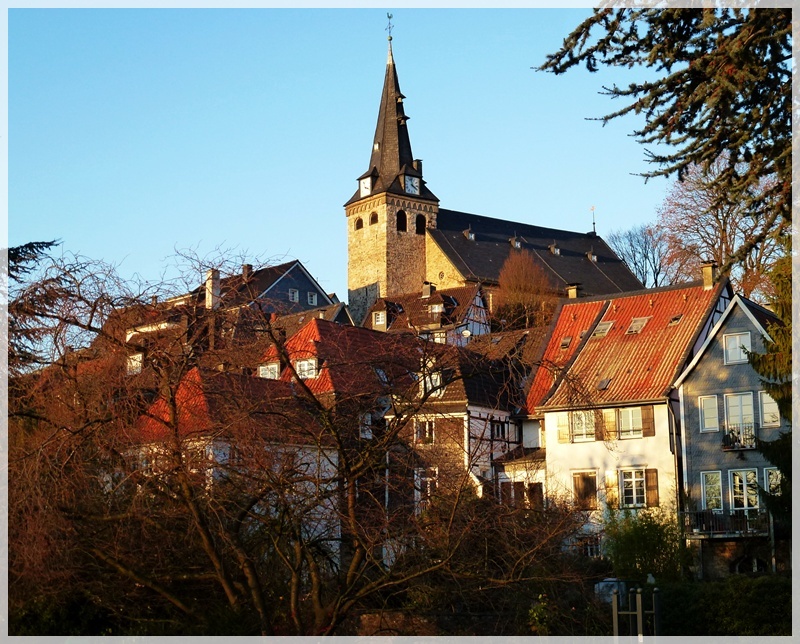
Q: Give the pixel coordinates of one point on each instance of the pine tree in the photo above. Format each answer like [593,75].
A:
[722,91]
[775,368]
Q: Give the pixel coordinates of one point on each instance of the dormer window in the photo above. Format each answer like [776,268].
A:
[554,250]
[637,324]
[591,256]
[379,318]
[135,363]
[469,234]
[270,371]
[516,242]
[601,330]
[306,368]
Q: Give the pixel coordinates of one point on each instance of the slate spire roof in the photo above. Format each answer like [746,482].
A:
[391,147]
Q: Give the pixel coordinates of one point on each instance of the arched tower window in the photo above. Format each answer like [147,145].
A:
[402,221]
[359,223]
[373,218]
[420,225]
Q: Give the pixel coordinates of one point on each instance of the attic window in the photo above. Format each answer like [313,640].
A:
[637,324]
[312,298]
[436,308]
[602,329]
[516,242]
[379,318]
[555,250]
[294,295]
[603,384]
[469,234]
[592,257]
[675,319]
[269,371]
[565,341]
[306,368]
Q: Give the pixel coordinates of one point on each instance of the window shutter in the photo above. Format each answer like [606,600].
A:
[648,421]
[609,428]
[651,486]
[519,494]
[563,433]
[612,489]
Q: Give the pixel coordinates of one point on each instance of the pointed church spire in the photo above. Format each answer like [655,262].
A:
[391,160]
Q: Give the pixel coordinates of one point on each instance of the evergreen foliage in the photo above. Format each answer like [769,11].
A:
[722,91]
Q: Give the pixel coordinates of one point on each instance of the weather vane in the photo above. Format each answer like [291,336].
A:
[390,25]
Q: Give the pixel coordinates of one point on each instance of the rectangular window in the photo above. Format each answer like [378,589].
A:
[632,488]
[306,369]
[534,496]
[425,484]
[637,324]
[499,430]
[424,431]
[744,489]
[735,346]
[630,422]
[772,480]
[739,427]
[770,417]
[366,426]
[270,371]
[379,318]
[582,426]
[709,414]
[135,363]
[440,337]
[601,330]
[432,383]
[584,490]
[294,295]
[711,482]
[312,298]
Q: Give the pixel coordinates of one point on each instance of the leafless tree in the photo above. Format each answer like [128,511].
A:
[525,295]
[645,250]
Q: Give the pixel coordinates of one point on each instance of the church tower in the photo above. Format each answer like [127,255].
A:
[388,216]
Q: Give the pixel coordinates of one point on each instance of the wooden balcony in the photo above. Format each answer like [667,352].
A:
[736,437]
[706,524]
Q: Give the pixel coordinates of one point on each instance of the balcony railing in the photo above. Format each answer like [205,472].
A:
[741,436]
[730,523]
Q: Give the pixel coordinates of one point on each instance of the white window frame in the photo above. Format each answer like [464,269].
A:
[601,330]
[294,295]
[769,473]
[703,418]
[424,431]
[704,487]
[585,421]
[134,364]
[312,298]
[632,431]
[732,344]
[269,371]
[306,369]
[746,497]
[741,420]
[764,397]
[379,318]
[636,325]
[426,482]
[499,430]
[633,479]
[432,384]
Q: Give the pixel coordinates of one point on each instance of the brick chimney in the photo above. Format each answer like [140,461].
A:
[572,291]
[709,270]
[212,289]
[427,289]
[247,271]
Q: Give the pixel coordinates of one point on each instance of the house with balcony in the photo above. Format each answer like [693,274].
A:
[724,411]
[603,398]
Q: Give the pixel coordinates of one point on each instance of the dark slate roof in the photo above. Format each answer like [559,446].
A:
[482,258]
[412,312]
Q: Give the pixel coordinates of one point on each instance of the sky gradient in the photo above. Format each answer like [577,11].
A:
[133,133]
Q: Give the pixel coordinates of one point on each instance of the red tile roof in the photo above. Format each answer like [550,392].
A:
[638,366]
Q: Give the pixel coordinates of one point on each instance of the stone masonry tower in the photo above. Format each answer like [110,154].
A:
[388,216]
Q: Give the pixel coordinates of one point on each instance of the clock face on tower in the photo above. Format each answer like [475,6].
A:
[412,185]
[366,186]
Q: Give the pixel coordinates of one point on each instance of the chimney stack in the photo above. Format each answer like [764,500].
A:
[572,291]
[709,274]
[427,289]
[247,270]
[212,288]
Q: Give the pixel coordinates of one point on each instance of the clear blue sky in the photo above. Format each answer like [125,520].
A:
[136,132]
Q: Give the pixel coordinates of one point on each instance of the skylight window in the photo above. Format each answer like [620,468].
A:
[565,341]
[602,329]
[637,324]
[603,384]
[675,319]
